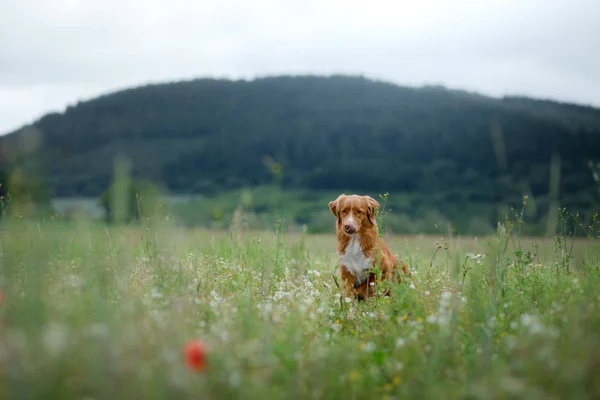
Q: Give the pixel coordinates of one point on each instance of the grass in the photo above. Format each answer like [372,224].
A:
[89,311]
[413,213]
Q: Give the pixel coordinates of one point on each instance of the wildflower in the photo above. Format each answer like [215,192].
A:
[354,376]
[336,326]
[532,324]
[412,286]
[445,296]
[347,299]
[442,245]
[195,355]
[98,330]
[55,339]
[155,294]
[476,257]
[368,347]
[397,380]
[235,379]
[400,342]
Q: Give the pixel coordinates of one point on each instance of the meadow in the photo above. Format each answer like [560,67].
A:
[89,311]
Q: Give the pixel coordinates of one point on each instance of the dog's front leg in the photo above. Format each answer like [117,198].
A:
[367,287]
[349,286]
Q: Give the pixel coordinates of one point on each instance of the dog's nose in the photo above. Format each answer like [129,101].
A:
[350,228]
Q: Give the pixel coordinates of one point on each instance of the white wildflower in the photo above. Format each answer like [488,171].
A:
[74,280]
[476,257]
[235,379]
[369,347]
[336,327]
[98,330]
[54,338]
[446,296]
[532,323]
[400,343]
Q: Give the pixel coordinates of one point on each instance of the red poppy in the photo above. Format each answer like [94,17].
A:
[195,355]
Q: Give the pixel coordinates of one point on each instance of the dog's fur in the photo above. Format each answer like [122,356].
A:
[360,248]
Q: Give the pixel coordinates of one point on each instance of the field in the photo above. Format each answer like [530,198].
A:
[95,312]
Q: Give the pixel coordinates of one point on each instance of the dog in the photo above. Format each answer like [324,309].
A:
[359,247]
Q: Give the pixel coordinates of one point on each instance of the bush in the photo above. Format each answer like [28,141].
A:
[24,195]
[130,200]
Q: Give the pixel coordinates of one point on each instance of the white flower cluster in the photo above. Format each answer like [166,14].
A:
[476,257]
[534,326]
[445,312]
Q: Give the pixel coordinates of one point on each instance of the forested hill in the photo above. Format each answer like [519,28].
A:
[334,133]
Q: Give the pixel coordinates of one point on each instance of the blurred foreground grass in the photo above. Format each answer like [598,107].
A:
[94,312]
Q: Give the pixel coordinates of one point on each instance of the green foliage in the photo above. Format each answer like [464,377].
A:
[131,200]
[82,305]
[468,158]
[23,195]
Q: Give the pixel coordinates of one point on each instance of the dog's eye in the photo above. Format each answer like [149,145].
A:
[359,212]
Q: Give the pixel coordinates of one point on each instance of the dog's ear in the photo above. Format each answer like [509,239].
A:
[372,205]
[334,205]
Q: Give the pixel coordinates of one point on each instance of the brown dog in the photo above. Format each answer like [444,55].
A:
[359,247]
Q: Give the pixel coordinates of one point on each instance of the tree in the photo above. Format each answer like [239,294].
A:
[129,200]
[24,195]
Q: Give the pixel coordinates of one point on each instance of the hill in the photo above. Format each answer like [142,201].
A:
[327,133]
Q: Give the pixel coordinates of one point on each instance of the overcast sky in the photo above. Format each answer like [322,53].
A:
[56,52]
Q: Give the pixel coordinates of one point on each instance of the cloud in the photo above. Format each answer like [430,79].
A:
[55,53]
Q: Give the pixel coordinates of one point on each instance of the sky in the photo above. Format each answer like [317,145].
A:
[54,53]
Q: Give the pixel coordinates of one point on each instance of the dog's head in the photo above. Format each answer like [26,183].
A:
[354,213]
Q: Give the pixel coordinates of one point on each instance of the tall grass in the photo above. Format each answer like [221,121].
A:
[94,312]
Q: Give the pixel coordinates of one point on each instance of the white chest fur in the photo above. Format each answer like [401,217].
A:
[355,260]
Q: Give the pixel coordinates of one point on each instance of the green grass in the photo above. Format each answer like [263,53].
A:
[94,312]
[411,212]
